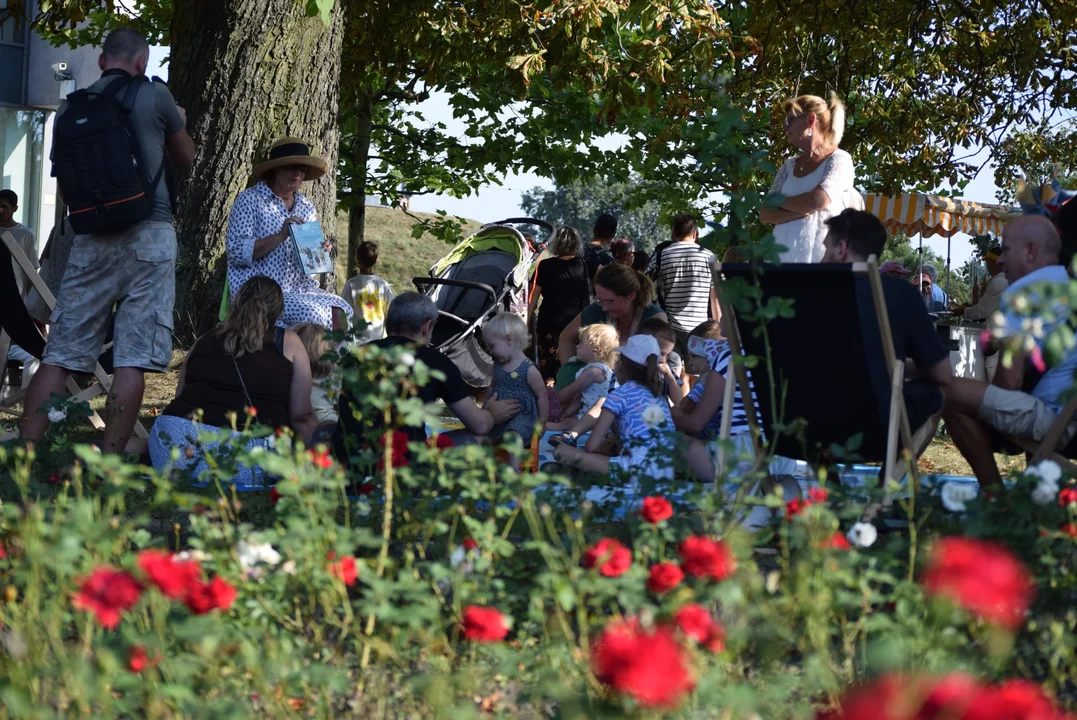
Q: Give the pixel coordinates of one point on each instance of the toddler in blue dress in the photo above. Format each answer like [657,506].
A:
[516,378]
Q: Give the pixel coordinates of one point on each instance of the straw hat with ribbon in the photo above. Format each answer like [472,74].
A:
[292,151]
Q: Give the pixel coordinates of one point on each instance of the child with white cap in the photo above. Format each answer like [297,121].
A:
[641,411]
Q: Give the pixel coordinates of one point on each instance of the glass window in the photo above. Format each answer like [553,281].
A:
[22,134]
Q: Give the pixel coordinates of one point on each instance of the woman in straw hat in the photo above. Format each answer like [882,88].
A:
[258,240]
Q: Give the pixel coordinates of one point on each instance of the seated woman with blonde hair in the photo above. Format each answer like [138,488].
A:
[246,366]
[817,184]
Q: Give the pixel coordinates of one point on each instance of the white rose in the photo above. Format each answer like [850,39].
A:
[457,557]
[192,555]
[653,415]
[862,534]
[407,359]
[955,495]
[1045,493]
[1048,470]
[250,554]
[288,568]
[57,416]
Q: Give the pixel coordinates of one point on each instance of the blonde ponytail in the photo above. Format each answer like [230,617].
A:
[837,119]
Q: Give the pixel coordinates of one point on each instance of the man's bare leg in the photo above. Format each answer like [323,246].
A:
[49,380]
[121,410]
[963,399]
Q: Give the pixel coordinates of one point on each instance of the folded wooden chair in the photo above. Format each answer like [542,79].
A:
[831,365]
[1052,447]
[18,327]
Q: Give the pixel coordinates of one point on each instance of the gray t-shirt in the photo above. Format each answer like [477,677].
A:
[24,238]
[154,118]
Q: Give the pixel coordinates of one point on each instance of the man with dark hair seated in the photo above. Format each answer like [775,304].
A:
[977,413]
[410,323]
[854,236]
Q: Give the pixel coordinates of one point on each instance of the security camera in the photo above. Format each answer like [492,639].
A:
[60,72]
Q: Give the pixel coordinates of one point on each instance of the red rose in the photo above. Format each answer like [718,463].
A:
[706,558]
[984,578]
[837,541]
[1014,699]
[656,509]
[344,569]
[138,660]
[321,458]
[54,479]
[818,494]
[3,552]
[796,506]
[217,594]
[1069,528]
[251,411]
[664,577]
[898,697]
[400,450]
[470,544]
[441,441]
[611,557]
[108,594]
[174,579]
[1067,496]
[364,488]
[484,624]
[648,666]
[694,621]
[274,495]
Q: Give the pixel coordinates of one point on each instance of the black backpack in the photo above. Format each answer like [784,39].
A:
[658,270]
[97,160]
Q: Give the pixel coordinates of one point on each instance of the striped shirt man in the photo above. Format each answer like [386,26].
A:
[682,273]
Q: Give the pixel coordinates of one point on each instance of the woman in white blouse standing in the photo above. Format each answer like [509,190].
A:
[817,183]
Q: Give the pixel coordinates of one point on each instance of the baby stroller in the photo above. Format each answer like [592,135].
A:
[486,273]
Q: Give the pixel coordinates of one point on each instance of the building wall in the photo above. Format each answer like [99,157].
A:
[42,88]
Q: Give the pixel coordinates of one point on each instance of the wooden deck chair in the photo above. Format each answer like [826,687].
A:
[18,327]
[1051,447]
[832,365]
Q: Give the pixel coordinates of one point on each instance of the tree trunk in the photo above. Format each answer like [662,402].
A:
[364,126]
[247,72]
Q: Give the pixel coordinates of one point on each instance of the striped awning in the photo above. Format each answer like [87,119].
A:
[935,215]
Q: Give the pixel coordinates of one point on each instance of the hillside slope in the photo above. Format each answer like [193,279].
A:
[400,256]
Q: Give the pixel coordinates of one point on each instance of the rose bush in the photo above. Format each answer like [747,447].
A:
[453,585]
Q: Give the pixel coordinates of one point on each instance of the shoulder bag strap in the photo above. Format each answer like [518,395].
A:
[241,383]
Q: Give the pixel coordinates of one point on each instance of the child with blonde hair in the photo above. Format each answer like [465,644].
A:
[323,393]
[598,349]
[516,377]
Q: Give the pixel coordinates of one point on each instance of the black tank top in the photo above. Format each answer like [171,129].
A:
[213,383]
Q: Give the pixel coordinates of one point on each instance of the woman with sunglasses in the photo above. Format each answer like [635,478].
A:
[816,184]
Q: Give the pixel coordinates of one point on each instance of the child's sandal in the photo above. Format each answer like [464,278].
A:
[565,438]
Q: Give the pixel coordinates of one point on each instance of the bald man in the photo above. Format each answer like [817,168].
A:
[977,413]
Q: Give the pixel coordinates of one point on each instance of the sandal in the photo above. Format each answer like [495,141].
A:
[565,438]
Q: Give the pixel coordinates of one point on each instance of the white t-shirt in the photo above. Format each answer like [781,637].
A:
[369,296]
[24,238]
[804,237]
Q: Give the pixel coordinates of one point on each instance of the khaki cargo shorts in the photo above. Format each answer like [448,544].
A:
[1019,414]
[134,270]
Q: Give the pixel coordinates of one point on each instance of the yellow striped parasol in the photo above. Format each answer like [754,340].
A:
[936,215]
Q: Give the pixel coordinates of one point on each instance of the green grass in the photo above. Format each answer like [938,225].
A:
[400,256]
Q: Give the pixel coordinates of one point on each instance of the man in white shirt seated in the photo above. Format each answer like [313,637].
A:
[977,413]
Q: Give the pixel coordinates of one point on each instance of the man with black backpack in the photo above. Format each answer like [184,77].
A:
[109,151]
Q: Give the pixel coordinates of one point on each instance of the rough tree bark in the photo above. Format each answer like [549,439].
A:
[247,72]
[360,158]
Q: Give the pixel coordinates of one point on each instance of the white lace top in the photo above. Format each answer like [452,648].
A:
[804,237]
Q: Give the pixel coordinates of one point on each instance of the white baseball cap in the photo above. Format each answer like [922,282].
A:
[639,348]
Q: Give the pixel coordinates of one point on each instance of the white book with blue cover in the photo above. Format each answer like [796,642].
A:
[307,238]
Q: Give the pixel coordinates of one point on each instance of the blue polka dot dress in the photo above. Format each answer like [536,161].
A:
[258,213]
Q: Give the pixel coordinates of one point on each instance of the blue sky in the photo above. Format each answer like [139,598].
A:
[494,202]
